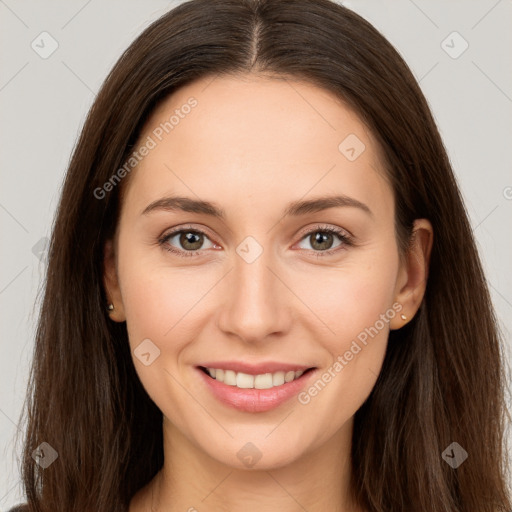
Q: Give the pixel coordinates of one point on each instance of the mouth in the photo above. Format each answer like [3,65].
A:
[259,381]
[254,392]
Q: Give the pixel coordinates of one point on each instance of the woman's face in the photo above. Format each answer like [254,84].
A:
[254,284]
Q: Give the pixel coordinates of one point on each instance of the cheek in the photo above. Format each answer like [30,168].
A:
[162,305]
[159,302]
[354,304]
[350,297]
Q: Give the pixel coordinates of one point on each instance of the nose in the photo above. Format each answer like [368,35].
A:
[257,303]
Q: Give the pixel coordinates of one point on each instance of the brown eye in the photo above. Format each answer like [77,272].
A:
[322,240]
[185,242]
[191,240]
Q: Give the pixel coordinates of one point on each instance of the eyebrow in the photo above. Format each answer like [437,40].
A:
[294,209]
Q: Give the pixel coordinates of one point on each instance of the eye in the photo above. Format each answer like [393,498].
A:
[189,242]
[321,240]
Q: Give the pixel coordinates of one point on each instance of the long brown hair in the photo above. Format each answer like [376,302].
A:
[443,378]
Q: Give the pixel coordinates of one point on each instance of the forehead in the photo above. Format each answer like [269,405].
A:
[267,116]
[260,135]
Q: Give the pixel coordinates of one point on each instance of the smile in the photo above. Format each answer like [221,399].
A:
[247,381]
[254,393]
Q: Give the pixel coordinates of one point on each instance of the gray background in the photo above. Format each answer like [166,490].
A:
[44,102]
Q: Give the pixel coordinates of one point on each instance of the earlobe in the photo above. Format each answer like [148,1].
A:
[114,305]
[414,272]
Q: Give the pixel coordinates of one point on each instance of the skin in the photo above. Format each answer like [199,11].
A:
[252,145]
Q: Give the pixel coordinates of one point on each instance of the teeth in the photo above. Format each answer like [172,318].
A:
[289,376]
[278,379]
[229,377]
[246,381]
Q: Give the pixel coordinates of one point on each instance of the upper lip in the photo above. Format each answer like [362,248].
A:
[255,369]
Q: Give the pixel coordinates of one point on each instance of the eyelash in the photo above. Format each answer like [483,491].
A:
[346,240]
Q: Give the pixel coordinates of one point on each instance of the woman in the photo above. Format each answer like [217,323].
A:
[325,341]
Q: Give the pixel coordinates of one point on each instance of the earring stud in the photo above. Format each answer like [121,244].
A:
[110,306]
[403,317]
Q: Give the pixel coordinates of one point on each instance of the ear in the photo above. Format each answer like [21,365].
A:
[111,283]
[412,277]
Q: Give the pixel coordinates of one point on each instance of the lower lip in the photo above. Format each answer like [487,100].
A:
[255,400]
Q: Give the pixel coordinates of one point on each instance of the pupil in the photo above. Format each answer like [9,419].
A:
[188,238]
[321,238]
